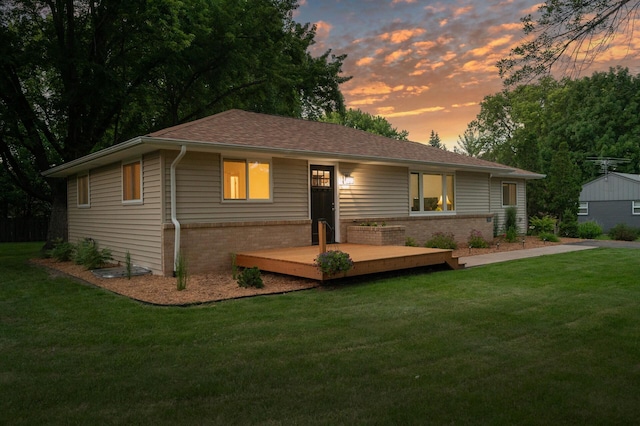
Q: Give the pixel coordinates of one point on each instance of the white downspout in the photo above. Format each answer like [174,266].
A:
[174,219]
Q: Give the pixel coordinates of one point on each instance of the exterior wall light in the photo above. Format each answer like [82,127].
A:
[348,180]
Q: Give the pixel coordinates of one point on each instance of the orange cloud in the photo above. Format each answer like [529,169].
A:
[366,101]
[424,45]
[375,88]
[464,105]
[395,56]
[323,29]
[400,36]
[462,11]
[492,46]
[414,112]
[364,61]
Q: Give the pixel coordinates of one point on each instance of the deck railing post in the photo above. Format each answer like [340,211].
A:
[322,236]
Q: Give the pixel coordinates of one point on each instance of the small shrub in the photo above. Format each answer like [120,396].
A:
[128,265]
[542,225]
[88,255]
[442,240]
[234,267]
[63,251]
[333,262]
[548,236]
[410,242]
[510,218]
[569,227]
[182,273]
[496,225]
[250,277]
[589,230]
[476,240]
[622,232]
[511,235]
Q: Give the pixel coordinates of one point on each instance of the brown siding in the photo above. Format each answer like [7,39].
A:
[496,202]
[135,228]
[377,191]
[199,197]
[472,193]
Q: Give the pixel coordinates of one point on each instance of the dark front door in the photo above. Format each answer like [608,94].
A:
[322,201]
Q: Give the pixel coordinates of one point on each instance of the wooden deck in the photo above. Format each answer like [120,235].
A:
[367,259]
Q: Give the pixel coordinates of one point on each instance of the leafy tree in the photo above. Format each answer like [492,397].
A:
[77,76]
[358,119]
[434,141]
[470,143]
[570,33]
[596,116]
[563,184]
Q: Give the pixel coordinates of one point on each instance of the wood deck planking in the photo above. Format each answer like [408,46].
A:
[299,261]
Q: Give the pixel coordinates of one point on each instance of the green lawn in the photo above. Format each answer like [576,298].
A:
[552,340]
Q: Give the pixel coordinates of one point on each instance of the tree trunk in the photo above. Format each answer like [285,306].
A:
[58,227]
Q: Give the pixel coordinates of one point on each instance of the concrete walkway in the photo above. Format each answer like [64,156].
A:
[485,259]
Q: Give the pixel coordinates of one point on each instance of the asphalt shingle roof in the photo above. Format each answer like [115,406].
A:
[253,130]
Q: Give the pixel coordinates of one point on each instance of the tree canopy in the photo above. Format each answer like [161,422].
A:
[77,76]
[358,119]
[569,34]
[435,141]
[527,127]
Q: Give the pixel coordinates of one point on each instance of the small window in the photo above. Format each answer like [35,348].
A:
[635,207]
[83,190]
[246,180]
[132,182]
[509,194]
[583,208]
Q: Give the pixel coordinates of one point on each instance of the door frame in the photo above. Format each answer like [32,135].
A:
[336,194]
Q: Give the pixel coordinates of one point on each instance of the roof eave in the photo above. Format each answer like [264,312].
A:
[145,144]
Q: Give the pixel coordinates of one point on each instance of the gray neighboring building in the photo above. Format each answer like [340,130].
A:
[611,199]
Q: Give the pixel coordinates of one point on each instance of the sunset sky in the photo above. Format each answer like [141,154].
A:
[427,65]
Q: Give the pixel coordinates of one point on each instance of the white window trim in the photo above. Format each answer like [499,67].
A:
[136,201]
[421,194]
[635,205]
[586,208]
[83,206]
[502,193]
[247,161]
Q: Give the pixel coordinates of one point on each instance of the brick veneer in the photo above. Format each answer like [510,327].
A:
[376,235]
[422,228]
[207,247]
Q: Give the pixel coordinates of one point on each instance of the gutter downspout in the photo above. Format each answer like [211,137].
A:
[174,219]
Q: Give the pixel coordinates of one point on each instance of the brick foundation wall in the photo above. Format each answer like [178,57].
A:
[207,247]
[376,235]
[422,228]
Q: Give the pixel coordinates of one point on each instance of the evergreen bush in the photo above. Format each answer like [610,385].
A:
[250,277]
[589,230]
[623,232]
[333,262]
